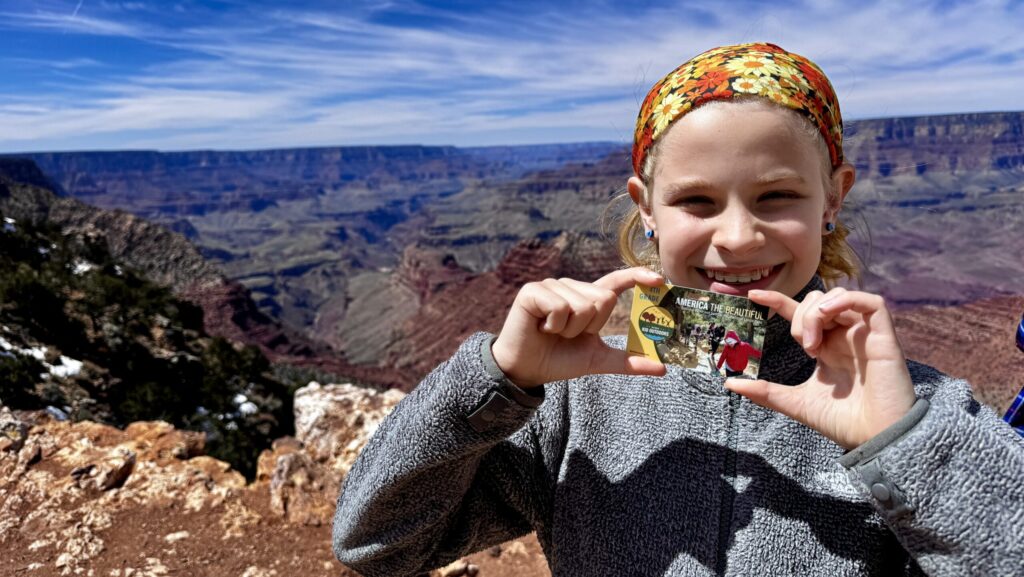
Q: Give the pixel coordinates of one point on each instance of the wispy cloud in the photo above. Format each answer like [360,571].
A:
[71,23]
[251,75]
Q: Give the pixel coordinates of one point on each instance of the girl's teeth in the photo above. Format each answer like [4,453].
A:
[732,278]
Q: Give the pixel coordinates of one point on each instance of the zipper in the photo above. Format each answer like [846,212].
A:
[729,482]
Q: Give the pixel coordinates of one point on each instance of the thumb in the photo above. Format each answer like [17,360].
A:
[780,398]
[617,361]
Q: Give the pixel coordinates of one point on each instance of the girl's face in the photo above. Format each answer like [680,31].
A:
[739,200]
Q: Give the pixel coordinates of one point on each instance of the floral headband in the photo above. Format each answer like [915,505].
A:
[746,69]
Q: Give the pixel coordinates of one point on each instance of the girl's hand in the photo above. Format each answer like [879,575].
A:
[861,384]
[552,331]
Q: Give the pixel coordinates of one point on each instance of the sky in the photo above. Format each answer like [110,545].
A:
[249,74]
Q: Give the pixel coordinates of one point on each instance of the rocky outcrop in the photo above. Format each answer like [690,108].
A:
[13,431]
[332,425]
[72,485]
[164,257]
[427,271]
[334,422]
[87,499]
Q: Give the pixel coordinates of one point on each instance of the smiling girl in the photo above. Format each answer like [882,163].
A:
[846,459]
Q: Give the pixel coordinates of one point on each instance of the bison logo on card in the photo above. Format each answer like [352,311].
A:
[656,324]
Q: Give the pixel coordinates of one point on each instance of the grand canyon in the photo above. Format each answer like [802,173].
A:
[353,272]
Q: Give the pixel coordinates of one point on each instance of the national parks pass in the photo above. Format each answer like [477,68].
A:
[699,330]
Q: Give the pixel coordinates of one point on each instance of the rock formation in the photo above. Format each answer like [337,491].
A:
[87,499]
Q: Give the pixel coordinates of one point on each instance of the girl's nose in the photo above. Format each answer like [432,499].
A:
[737,231]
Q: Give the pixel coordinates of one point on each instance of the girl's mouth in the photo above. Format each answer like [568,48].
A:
[738,282]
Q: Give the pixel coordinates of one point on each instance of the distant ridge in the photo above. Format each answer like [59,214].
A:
[152,159]
[953,143]
[356,159]
[24,170]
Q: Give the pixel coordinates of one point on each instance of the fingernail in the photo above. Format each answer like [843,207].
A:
[808,336]
[825,304]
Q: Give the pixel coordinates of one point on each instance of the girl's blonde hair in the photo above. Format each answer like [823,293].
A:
[838,259]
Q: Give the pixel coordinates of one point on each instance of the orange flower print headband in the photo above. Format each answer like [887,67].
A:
[730,71]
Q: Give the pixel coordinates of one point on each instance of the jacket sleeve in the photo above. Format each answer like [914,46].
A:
[450,471]
[949,481]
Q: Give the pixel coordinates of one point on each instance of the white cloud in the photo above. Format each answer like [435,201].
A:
[304,77]
[132,111]
[72,23]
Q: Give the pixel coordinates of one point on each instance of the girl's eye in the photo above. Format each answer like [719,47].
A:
[779,194]
[693,201]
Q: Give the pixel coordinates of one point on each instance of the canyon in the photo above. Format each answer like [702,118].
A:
[362,268]
[325,239]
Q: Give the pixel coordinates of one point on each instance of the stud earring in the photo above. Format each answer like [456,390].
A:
[649,234]
[830,227]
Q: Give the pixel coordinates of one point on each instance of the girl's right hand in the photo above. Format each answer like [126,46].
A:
[552,331]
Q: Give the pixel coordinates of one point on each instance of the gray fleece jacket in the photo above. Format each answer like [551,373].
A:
[675,475]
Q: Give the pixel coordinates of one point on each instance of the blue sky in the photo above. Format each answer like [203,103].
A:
[179,75]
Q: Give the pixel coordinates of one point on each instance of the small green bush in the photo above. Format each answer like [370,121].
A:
[18,377]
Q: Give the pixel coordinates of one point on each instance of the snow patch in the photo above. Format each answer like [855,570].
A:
[81,267]
[67,367]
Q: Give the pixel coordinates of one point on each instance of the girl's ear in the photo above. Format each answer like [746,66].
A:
[639,193]
[843,178]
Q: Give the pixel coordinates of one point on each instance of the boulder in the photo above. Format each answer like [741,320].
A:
[110,472]
[333,422]
[302,490]
[13,431]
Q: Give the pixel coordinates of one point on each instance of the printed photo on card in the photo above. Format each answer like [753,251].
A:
[698,330]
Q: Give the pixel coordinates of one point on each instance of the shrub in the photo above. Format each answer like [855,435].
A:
[18,377]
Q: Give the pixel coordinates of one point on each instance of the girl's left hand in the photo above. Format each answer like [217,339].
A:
[861,385]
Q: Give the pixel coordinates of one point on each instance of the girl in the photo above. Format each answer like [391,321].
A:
[736,355]
[845,459]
